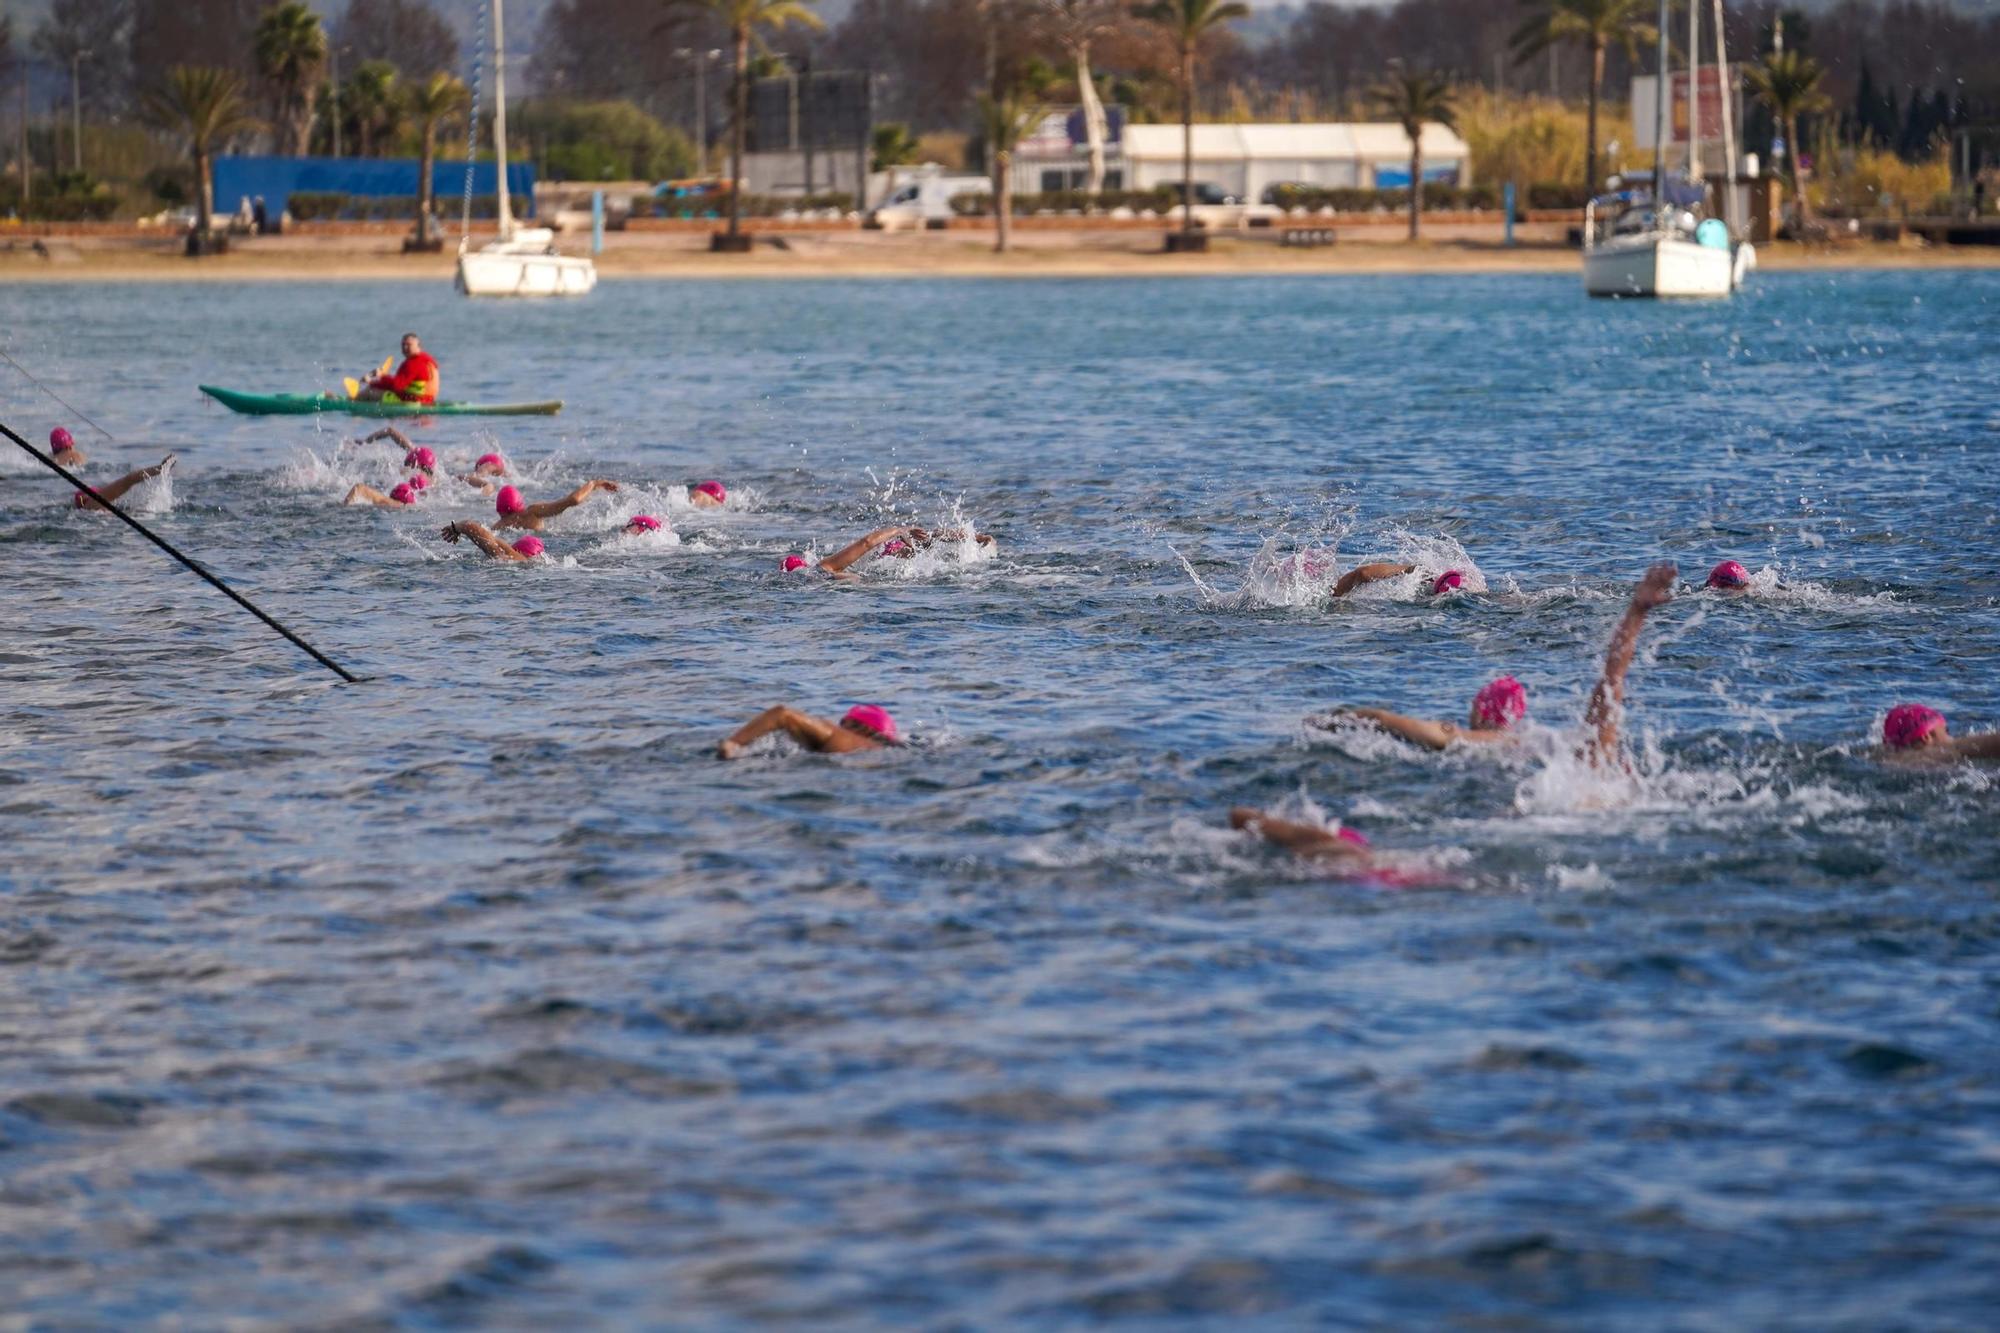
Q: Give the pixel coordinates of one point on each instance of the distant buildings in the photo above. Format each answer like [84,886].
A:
[1242,160]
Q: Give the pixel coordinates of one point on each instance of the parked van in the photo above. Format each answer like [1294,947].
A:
[921,197]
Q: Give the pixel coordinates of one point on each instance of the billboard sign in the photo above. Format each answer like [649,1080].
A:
[1710,84]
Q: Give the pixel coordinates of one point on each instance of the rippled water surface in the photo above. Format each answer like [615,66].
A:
[482,993]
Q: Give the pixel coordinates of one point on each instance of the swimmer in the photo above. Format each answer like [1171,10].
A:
[63,446]
[528,548]
[1729,577]
[402,497]
[420,456]
[920,540]
[115,490]
[837,563]
[484,470]
[640,524]
[708,495]
[1495,709]
[516,512]
[1607,700]
[1914,734]
[1344,845]
[866,727]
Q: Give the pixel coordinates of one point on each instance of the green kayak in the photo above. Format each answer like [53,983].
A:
[305,404]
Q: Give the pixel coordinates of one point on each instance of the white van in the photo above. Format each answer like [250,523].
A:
[921,197]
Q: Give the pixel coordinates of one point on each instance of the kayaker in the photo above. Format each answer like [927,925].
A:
[516,512]
[865,727]
[527,548]
[1914,734]
[63,445]
[115,490]
[415,381]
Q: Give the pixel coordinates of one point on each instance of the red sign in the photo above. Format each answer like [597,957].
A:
[1711,85]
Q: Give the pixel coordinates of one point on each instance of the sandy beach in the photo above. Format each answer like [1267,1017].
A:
[1039,252]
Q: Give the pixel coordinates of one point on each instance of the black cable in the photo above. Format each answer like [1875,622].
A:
[152,537]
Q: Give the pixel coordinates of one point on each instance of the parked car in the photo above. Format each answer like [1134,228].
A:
[1278,191]
[1205,192]
[922,198]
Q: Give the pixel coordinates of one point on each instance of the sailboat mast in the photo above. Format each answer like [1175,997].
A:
[1660,118]
[1728,86]
[1694,90]
[500,117]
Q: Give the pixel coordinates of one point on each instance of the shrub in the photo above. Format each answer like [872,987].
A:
[716,205]
[599,141]
[1556,194]
[313,206]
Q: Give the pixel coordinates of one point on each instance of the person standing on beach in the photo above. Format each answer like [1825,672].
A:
[415,381]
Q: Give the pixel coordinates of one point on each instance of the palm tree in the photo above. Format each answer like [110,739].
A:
[291,52]
[207,105]
[372,99]
[1004,118]
[744,18]
[1788,83]
[1075,24]
[1415,98]
[437,100]
[1594,25]
[1187,22]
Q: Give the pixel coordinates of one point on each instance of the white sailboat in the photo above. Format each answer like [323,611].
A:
[1655,244]
[521,261]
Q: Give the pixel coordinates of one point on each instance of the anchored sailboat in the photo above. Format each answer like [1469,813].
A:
[1658,241]
[522,261]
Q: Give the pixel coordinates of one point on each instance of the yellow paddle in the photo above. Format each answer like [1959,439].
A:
[353,386]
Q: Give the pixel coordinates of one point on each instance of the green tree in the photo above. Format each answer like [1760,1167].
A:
[291,53]
[1788,83]
[598,141]
[434,103]
[1593,25]
[745,18]
[892,146]
[1187,22]
[373,103]
[1004,117]
[1413,99]
[208,106]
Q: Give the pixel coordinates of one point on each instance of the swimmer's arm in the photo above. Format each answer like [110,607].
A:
[1983,746]
[389,433]
[550,508]
[1416,730]
[495,548]
[812,732]
[853,551]
[1655,589]
[1299,839]
[1361,574]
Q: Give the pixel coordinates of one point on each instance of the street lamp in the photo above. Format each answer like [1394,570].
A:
[333,87]
[700,59]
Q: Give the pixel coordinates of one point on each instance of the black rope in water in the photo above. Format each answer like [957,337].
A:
[154,538]
[58,397]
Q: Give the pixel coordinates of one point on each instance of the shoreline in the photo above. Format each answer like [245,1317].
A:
[875,255]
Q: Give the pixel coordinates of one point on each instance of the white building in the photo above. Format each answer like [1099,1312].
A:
[1243,160]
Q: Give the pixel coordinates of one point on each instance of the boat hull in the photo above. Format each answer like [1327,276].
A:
[525,275]
[306,404]
[1662,266]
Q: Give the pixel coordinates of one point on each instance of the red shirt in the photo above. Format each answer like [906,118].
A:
[418,370]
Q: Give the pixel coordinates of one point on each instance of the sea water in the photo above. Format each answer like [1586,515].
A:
[482,993]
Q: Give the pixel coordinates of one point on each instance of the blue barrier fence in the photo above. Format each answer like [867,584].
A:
[277,179]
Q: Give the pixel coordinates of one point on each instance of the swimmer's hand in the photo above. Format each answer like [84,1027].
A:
[606,485]
[451,532]
[1656,589]
[728,750]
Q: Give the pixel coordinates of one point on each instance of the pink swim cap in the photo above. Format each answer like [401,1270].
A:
[530,546]
[714,489]
[422,457]
[1445,582]
[1908,724]
[1354,836]
[1500,704]
[60,439]
[643,522]
[873,718]
[1728,574]
[897,547]
[495,459]
[509,501]
[793,562]
[418,483]
[403,495]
